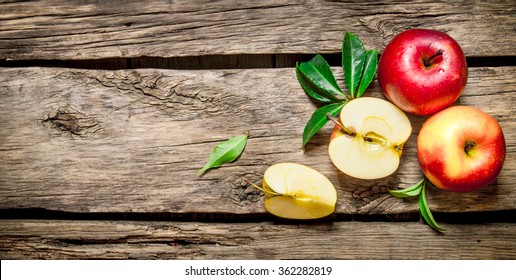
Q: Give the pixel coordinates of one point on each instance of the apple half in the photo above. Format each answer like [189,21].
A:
[296,191]
[368,142]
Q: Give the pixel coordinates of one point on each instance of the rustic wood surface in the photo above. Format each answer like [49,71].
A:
[98,29]
[103,163]
[132,141]
[28,239]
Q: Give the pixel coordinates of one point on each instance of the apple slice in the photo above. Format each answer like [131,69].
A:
[295,191]
[368,142]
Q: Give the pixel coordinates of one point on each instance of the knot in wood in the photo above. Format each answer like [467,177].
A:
[72,121]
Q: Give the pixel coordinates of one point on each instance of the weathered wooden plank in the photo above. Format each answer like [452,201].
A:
[35,239]
[132,141]
[100,29]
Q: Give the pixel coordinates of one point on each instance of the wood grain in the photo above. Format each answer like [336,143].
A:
[79,30]
[132,141]
[36,239]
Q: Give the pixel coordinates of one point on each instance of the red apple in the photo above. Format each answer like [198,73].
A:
[461,149]
[422,71]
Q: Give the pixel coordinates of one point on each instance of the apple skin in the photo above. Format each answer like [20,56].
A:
[337,131]
[445,156]
[418,88]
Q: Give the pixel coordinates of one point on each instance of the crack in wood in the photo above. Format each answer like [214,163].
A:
[157,90]
[144,239]
[67,119]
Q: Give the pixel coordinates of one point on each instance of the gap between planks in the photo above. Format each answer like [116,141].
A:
[241,61]
[502,216]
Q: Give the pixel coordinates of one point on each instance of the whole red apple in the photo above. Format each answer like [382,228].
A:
[461,149]
[422,71]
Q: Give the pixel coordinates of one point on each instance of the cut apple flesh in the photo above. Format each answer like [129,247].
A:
[373,149]
[295,191]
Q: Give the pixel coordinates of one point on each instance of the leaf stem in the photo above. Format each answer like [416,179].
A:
[345,97]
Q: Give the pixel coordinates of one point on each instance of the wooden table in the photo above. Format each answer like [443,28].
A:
[109,108]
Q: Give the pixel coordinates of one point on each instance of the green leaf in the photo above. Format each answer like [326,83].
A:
[227,151]
[319,119]
[309,88]
[353,58]
[410,191]
[425,211]
[370,67]
[320,77]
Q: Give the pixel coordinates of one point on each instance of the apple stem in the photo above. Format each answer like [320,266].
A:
[337,122]
[262,189]
[469,146]
[428,61]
